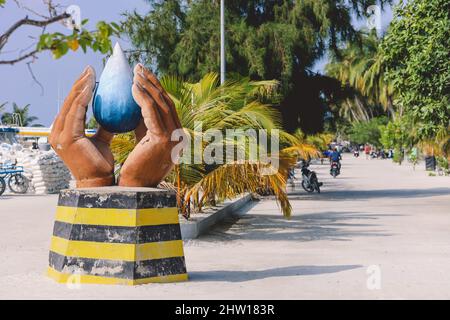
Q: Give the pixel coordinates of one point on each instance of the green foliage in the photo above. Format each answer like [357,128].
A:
[60,43]
[398,155]
[416,53]
[98,40]
[320,141]
[413,157]
[265,39]
[2,106]
[19,114]
[279,40]
[367,131]
[234,105]
[442,163]
[121,147]
[399,134]
[92,123]
[360,70]
[444,143]
[438,146]
[157,33]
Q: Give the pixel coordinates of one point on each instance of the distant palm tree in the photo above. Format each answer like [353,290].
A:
[19,116]
[234,105]
[361,68]
[439,146]
[2,106]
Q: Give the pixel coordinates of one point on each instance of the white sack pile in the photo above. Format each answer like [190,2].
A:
[45,169]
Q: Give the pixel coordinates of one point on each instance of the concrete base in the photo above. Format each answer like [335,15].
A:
[116,235]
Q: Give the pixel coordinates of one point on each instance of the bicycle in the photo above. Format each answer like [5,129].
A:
[17,182]
[2,186]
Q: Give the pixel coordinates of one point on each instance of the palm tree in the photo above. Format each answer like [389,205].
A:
[19,116]
[361,68]
[320,141]
[439,145]
[234,105]
[2,106]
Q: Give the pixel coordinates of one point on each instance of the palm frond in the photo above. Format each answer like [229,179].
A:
[234,105]
[122,145]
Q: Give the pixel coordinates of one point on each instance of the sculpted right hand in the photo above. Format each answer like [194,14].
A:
[89,159]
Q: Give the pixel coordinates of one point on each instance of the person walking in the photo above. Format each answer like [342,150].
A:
[367,150]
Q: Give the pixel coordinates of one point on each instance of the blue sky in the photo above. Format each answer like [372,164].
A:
[57,76]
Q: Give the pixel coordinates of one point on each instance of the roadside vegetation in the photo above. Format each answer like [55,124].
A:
[375,89]
[389,89]
[396,87]
[235,105]
[19,116]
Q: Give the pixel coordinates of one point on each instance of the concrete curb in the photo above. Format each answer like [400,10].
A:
[201,223]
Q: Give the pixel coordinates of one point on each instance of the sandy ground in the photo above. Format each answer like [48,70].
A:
[377,231]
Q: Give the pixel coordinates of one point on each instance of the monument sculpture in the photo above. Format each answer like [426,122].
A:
[124,232]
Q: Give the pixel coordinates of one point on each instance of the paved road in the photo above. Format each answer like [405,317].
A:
[377,231]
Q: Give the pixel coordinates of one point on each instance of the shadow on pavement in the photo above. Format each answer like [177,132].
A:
[242,276]
[369,194]
[334,226]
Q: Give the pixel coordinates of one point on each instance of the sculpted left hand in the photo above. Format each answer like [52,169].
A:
[89,159]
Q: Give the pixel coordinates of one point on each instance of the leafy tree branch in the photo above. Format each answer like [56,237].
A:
[58,43]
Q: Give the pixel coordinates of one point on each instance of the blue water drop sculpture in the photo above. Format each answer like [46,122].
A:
[114,107]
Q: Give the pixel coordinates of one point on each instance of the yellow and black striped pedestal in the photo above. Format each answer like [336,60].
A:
[117,235]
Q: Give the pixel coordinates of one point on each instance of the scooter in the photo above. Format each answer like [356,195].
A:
[356,153]
[309,179]
[335,170]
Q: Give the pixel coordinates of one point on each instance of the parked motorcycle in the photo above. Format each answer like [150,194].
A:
[309,179]
[335,169]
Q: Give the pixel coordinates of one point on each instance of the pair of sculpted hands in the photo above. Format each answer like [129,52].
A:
[90,159]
